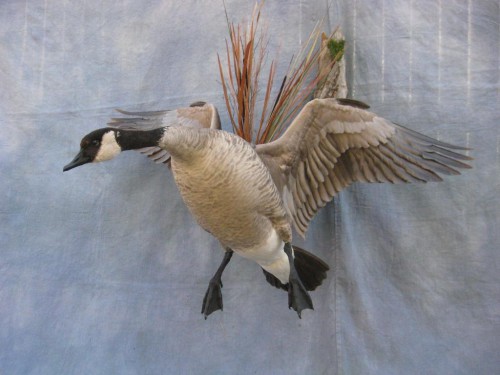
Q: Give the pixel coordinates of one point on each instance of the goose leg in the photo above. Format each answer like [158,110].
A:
[213,297]
[298,297]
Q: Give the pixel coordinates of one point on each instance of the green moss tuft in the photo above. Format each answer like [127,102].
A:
[336,48]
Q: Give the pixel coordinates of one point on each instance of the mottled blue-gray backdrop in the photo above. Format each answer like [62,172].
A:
[102,269]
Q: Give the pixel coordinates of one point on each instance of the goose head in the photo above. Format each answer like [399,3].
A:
[99,145]
[106,143]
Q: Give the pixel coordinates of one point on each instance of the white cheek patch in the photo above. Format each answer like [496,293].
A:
[109,147]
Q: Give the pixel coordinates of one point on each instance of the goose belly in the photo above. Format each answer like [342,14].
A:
[227,210]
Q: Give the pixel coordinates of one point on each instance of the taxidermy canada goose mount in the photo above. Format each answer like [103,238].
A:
[250,188]
[249,197]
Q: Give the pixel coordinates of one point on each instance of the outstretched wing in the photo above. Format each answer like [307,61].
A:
[334,143]
[199,114]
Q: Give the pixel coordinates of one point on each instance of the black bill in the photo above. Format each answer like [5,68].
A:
[79,159]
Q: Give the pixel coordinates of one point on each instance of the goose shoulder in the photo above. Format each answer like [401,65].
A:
[333,143]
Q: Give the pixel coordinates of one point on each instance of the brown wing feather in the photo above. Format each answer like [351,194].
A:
[331,145]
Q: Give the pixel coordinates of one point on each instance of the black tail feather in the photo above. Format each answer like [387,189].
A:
[274,281]
[311,269]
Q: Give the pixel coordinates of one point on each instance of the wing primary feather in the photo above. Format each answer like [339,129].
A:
[366,172]
[451,154]
[424,171]
[375,170]
[446,161]
[355,168]
[431,164]
[386,167]
[413,170]
[429,140]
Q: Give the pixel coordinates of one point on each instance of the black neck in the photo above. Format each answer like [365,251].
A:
[135,139]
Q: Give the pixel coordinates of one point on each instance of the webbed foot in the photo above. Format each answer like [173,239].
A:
[213,298]
[298,297]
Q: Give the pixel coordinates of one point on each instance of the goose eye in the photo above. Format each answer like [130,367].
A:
[95,142]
